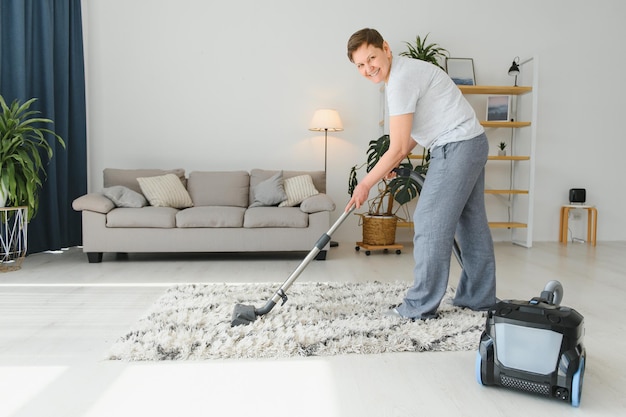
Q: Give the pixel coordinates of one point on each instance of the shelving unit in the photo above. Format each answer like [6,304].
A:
[518,198]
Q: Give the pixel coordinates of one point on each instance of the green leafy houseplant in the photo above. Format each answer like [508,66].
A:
[398,189]
[22,138]
[430,53]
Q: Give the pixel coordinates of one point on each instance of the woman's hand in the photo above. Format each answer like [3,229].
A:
[391,175]
[359,196]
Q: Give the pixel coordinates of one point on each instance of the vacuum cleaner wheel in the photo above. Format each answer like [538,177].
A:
[577,382]
[479,362]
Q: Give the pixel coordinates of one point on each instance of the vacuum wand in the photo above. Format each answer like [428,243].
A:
[246,314]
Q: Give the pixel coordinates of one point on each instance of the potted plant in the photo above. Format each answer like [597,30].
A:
[22,169]
[381,214]
[432,53]
[502,149]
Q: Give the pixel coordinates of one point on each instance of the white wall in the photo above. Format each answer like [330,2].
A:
[208,85]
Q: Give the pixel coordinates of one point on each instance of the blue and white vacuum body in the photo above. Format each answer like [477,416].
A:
[534,346]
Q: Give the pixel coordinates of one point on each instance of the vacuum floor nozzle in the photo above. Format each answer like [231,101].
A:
[243,314]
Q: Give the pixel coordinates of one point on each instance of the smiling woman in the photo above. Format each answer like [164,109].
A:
[426,107]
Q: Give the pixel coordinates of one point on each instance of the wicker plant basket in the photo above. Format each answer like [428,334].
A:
[379,230]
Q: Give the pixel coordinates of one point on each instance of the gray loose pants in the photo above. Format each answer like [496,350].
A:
[452,203]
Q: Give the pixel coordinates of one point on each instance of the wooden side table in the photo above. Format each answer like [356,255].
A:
[13,237]
[592,222]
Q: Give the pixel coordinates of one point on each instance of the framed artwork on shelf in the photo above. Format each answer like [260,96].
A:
[461,70]
[498,108]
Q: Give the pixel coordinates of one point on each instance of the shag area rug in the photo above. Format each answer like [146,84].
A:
[193,322]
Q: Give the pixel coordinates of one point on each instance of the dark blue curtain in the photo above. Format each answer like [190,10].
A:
[41,55]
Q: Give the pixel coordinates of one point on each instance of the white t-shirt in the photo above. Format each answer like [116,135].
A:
[440,112]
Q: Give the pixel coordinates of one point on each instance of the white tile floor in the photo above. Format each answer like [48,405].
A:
[59,314]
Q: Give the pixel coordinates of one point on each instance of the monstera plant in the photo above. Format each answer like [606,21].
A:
[22,144]
[399,189]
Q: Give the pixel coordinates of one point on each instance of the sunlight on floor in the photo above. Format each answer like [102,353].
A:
[240,387]
[20,384]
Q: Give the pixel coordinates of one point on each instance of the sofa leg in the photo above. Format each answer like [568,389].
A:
[94,257]
[321,256]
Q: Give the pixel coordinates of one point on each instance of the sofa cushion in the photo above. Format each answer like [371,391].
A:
[316,203]
[123,196]
[157,217]
[269,192]
[275,217]
[165,191]
[93,202]
[219,188]
[297,189]
[128,177]
[210,216]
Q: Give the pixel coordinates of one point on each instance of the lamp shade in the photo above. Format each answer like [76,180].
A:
[326,120]
[514,70]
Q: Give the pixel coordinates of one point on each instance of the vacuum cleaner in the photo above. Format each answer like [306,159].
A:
[246,314]
[534,346]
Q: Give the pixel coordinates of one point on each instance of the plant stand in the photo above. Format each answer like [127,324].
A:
[385,248]
[379,233]
[13,237]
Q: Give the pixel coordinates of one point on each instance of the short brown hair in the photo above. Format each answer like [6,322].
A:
[365,36]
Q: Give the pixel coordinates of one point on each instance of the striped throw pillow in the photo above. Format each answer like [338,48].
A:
[298,189]
[165,191]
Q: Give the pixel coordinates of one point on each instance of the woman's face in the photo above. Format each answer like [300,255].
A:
[373,63]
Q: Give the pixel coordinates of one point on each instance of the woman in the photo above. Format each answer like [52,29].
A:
[426,107]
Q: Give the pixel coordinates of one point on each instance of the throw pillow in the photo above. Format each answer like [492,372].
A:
[165,191]
[269,192]
[124,197]
[297,189]
[316,203]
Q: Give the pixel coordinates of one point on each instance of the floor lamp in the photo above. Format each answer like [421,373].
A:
[326,120]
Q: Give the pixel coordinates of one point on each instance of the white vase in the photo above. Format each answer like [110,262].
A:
[501,152]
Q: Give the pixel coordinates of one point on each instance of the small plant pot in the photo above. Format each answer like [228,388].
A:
[501,152]
[379,230]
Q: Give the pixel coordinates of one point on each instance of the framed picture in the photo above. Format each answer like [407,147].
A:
[498,108]
[461,70]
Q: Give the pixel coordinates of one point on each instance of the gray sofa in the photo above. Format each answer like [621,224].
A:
[150,210]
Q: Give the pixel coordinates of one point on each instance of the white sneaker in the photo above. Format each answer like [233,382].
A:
[393,313]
